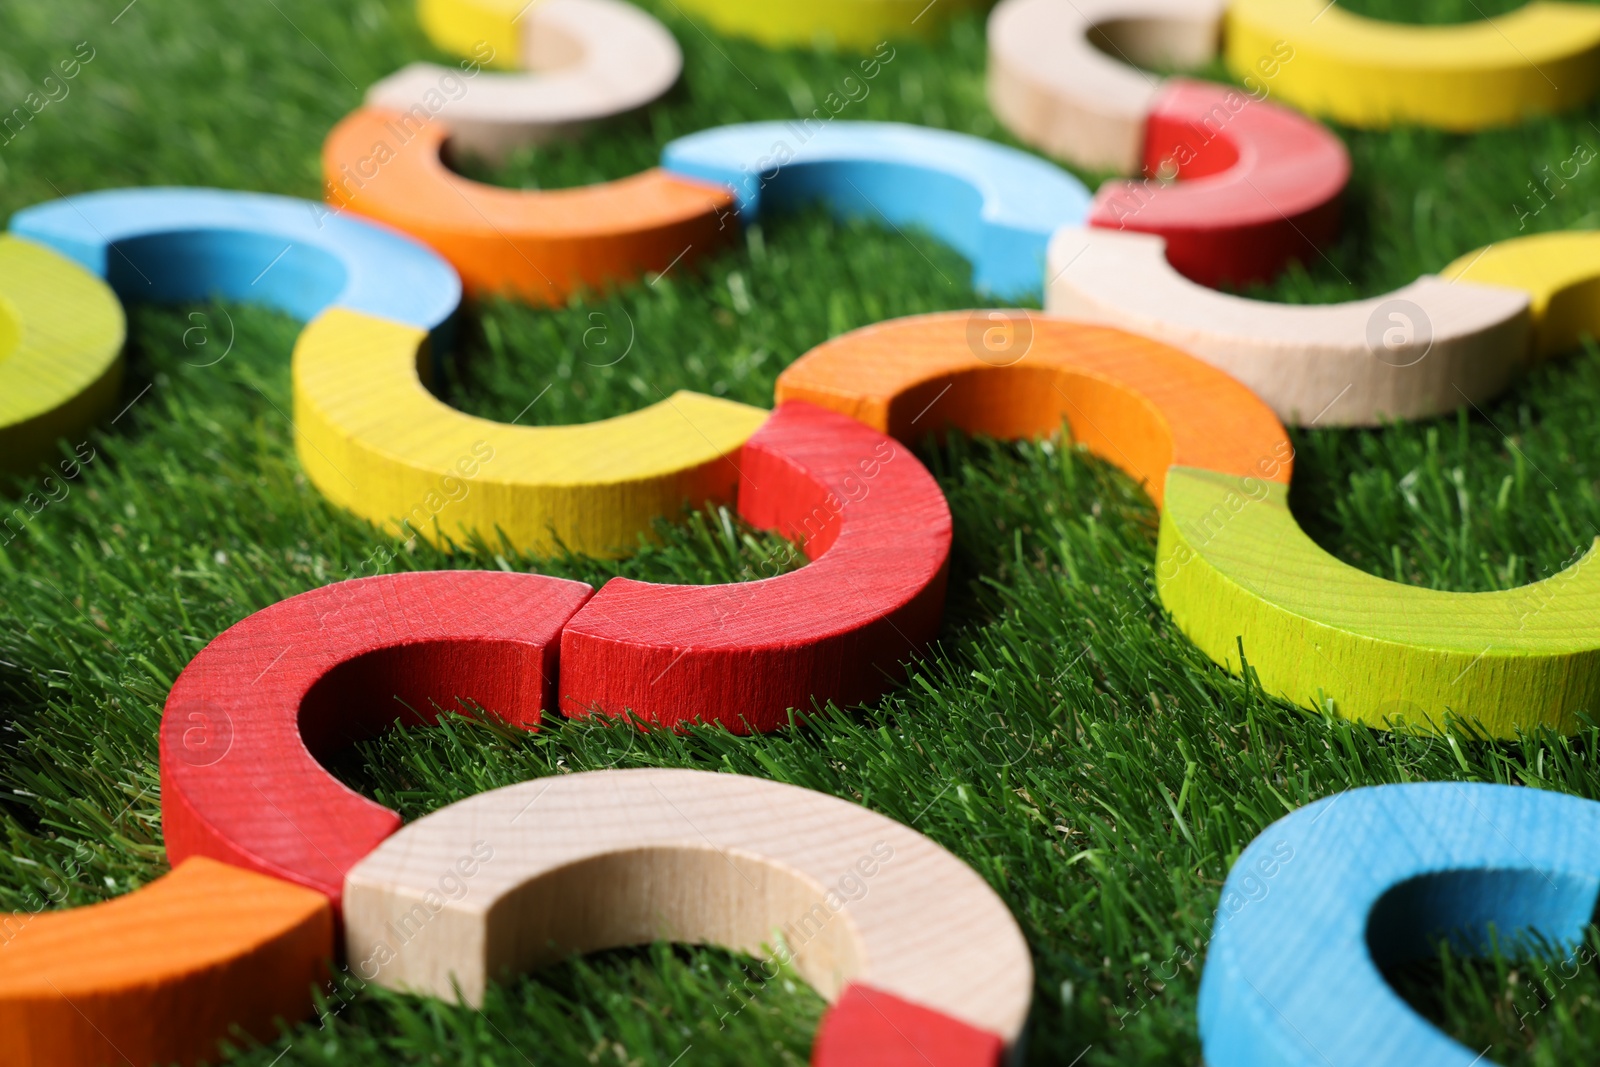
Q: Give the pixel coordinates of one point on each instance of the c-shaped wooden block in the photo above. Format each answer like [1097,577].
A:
[162,974]
[520,877]
[856,24]
[1560,272]
[1328,896]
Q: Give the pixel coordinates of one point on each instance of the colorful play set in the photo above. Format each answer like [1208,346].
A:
[279,869]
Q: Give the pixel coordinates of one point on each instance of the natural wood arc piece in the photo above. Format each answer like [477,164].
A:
[162,974]
[1064,74]
[1425,349]
[1233,565]
[877,530]
[61,335]
[1257,185]
[1541,58]
[541,246]
[249,717]
[586,60]
[855,24]
[1328,897]
[1560,272]
[1136,403]
[374,440]
[517,878]
[996,205]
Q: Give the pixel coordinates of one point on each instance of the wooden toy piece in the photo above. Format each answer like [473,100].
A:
[877,530]
[591,59]
[1329,896]
[538,245]
[516,878]
[374,440]
[1232,565]
[162,974]
[1543,57]
[171,245]
[857,24]
[250,715]
[1134,402]
[1560,272]
[995,205]
[1061,73]
[869,1028]
[1257,185]
[61,334]
[1422,350]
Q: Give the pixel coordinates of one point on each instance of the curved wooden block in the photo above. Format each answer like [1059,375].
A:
[249,716]
[1370,879]
[1061,73]
[1541,58]
[163,973]
[1560,272]
[1257,185]
[867,1027]
[1233,563]
[61,334]
[591,59]
[520,877]
[1132,401]
[1420,351]
[849,23]
[996,205]
[539,245]
[877,530]
[373,439]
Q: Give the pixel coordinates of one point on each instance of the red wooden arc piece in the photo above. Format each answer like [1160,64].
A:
[878,530]
[867,1027]
[1258,184]
[249,717]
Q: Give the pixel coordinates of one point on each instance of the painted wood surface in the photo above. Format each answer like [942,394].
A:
[374,440]
[1065,77]
[1327,896]
[867,1027]
[1540,58]
[1420,351]
[877,531]
[854,24]
[1233,565]
[517,878]
[540,246]
[162,974]
[1560,272]
[996,205]
[1134,402]
[586,60]
[61,335]
[250,716]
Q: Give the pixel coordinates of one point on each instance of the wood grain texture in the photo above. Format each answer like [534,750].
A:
[877,530]
[1233,565]
[585,862]
[996,205]
[1257,185]
[1541,58]
[1062,74]
[61,335]
[1326,897]
[1560,272]
[249,717]
[540,246]
[162,974]
[1425,349]
[869,1028]
[854,24]
[586,60]
[1136,403]
[373,439]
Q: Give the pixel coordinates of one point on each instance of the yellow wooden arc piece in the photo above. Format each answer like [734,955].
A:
[849,23]
[461,27]
[1233,564]
[61,334]
[1560,272]
[1538,59]
[375,441]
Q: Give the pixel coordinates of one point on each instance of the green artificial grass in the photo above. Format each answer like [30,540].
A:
[1063,738]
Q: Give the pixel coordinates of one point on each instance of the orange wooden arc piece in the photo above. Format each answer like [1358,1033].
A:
[1136,403]
[163,973]
[539,245]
